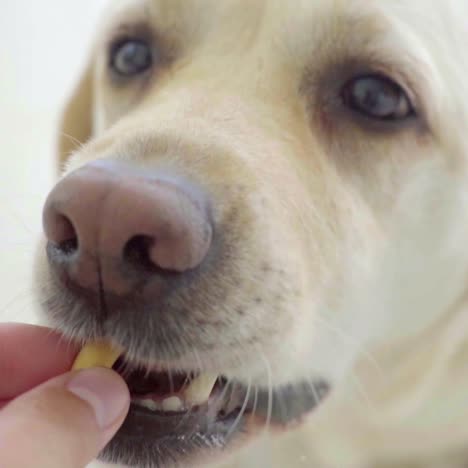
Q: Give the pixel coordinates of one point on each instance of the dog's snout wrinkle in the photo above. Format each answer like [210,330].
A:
[113,226]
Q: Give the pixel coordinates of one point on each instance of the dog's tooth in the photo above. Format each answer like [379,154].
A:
[172,404]
[147,403]
[199,389]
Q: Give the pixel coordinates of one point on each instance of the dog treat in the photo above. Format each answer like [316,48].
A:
[97,354]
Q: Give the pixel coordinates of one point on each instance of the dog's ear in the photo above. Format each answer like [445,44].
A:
[76,122]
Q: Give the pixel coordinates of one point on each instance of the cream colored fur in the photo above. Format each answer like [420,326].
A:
[375,227]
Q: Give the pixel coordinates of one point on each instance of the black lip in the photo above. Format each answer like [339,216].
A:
[154,439]
[286,404]
[132,447]
[157,439]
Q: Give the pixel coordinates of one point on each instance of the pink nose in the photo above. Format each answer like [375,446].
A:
[111,226]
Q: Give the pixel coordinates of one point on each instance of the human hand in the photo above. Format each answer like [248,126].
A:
[51,417]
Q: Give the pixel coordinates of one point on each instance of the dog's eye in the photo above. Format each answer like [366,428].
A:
[377,97]
[131,57]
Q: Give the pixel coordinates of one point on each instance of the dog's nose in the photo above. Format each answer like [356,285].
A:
[111,226]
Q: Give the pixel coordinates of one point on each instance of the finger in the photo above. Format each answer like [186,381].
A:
[65,422]
[30,355]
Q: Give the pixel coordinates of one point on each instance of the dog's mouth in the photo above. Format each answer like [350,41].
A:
[177,414]
[175,399]
[174,415]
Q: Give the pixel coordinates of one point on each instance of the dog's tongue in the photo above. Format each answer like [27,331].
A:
[98,354]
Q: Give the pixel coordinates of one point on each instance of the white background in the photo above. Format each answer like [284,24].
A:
[43,45]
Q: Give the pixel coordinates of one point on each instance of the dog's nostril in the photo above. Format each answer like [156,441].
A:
[137,252]
[65,237]
[69,246]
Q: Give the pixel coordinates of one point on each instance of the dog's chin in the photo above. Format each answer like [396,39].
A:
[232,415]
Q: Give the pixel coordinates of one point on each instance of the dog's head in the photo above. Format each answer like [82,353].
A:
[230,168]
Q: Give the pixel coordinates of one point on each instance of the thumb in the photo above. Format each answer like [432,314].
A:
[65,422]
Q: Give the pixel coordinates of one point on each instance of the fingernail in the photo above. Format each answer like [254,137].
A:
[104,391]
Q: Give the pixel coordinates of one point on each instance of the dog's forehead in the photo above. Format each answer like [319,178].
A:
[237,11]
[194,9]
[305,20]
[293,27]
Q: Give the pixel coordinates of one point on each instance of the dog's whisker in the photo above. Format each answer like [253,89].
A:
[79,144]
[269,411]
[241,412]
[350,341]
[22,296]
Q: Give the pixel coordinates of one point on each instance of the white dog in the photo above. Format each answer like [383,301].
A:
[264,205]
